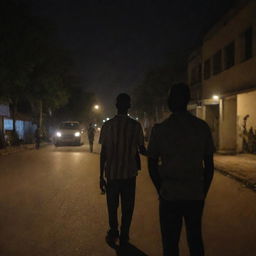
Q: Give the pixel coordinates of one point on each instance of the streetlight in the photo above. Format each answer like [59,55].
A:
[96,107]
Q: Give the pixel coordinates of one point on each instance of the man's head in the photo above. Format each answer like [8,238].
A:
[179,97]
[123,102]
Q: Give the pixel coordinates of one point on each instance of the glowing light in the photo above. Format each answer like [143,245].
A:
[98,129]
[77,134]
[95,125]
[107,118]
[58,134]
[96,107]
[104,121]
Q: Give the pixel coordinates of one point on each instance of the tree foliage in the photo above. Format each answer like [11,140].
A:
[152,92]
[33,65]
[79,106]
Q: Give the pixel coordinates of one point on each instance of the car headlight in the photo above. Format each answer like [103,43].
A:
[58,134]
[77,134]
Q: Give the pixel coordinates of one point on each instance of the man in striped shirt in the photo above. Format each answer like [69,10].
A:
[121,139]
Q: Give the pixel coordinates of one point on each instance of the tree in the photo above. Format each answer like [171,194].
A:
[48,87]
[15,62]
[79,106]
[33,65]
[150,95]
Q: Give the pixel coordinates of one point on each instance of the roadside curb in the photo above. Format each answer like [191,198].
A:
[246,183]
[16,149]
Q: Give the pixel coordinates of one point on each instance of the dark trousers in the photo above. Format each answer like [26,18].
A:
[171,215]
[126,190]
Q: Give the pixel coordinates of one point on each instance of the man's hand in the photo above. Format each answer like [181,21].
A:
[154,174]
[103,185]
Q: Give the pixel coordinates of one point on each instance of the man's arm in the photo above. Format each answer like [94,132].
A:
[208,171]
[102,169]
[153,157]
[102,161]
[153,172]
[141,141]
[208,160]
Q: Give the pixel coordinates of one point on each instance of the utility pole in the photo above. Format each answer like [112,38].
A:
[40,114]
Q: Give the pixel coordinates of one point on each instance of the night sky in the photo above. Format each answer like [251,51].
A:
[114,42]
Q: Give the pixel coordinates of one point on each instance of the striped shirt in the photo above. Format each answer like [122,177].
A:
[121,137]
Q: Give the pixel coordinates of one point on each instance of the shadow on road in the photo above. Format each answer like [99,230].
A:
[129,250]
[72,148]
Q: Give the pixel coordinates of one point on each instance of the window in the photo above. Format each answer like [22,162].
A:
[247,44]
[229,55]
[193,76]
[217,63]
[207,69]
[8,124]
[199,72]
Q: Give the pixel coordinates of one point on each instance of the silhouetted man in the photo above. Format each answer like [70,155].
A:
[91,133]
[180,162]
[121,138]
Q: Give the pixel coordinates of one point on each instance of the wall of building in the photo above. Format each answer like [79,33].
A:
[228,124]
[242,75]
[25,129]
[246,107]
[211,116]
[200,113]
[195,75]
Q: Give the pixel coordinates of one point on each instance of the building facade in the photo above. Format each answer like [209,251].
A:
[228,79]
[24,126]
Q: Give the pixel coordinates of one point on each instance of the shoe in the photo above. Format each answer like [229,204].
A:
[123,240]
[112,237]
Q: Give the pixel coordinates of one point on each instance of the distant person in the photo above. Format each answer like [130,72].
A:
[91,134]
[180,162]
[37,138]
[121,139]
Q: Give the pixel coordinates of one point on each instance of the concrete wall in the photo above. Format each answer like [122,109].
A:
[196,87]
[246,105]
[211,116]
[242,75]
[228,125]
[200,112]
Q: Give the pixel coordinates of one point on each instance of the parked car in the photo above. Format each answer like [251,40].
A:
[69,133]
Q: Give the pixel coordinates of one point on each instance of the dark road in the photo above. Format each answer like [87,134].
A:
[51,205]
